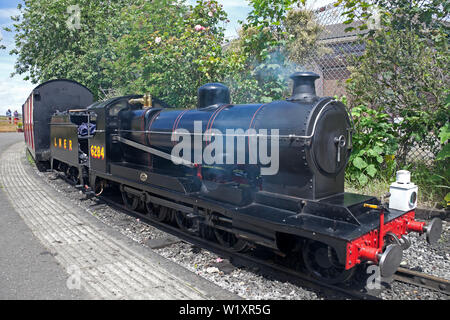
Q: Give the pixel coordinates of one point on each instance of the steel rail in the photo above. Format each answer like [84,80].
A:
[245,259]
[404,275]
[421,279]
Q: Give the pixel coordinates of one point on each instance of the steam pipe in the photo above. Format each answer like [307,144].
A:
[146,101]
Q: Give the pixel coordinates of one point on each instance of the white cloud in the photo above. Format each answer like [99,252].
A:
[13,93]
[6,13]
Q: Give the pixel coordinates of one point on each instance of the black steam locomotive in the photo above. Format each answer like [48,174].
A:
[210,168]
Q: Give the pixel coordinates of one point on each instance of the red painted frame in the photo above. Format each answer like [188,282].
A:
[370,245]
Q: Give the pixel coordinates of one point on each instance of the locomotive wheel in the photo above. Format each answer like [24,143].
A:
[230,241]
[158,213]
[72,174]
[183,222]
[130,201]
[322,262]
[207,232]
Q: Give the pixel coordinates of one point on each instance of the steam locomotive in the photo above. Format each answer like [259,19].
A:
[209,168]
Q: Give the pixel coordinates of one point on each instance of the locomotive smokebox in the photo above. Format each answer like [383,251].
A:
[212,94]
[304,87]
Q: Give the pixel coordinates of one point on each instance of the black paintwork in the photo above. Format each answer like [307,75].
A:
[213,94]
[64,144]
[49,97]
[263,219]
[303,87]
[305,198]
[308,167]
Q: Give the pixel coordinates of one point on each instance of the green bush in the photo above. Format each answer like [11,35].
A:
[433,182]
[436,180]
[398,94]
[402,76]
[374,145]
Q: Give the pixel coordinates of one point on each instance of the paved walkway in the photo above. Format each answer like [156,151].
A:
[27,269]
[80,250]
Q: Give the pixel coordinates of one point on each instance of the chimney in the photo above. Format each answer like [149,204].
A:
[304,87]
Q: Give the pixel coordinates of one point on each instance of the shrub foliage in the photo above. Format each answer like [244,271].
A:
[398,89]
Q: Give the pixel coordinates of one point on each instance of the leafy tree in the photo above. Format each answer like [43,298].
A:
[400,74]
[48,46]
[265,30]
[302,36]
[413,15]
[163,47]
[170,50]
[404,73]
[278,36]
[124,46]
[401,84]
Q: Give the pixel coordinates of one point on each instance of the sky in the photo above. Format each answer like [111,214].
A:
[14,91]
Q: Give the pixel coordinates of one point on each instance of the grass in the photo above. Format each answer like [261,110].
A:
[374,188]
[427,197]
[5,126]
[30,158]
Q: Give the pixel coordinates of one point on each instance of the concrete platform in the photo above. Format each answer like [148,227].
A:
[95,261]
[27,270]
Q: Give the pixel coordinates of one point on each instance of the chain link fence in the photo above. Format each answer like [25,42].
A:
[339,45]
[332,64]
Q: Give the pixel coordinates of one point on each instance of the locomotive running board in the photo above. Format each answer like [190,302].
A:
[154,151]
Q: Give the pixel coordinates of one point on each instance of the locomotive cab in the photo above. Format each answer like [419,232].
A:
[113,116]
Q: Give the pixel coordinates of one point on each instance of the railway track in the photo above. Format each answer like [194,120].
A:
[422,280]
[404,275]
[282,273]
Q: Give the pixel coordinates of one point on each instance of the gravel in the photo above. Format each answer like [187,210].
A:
[433,260]
[249,282]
